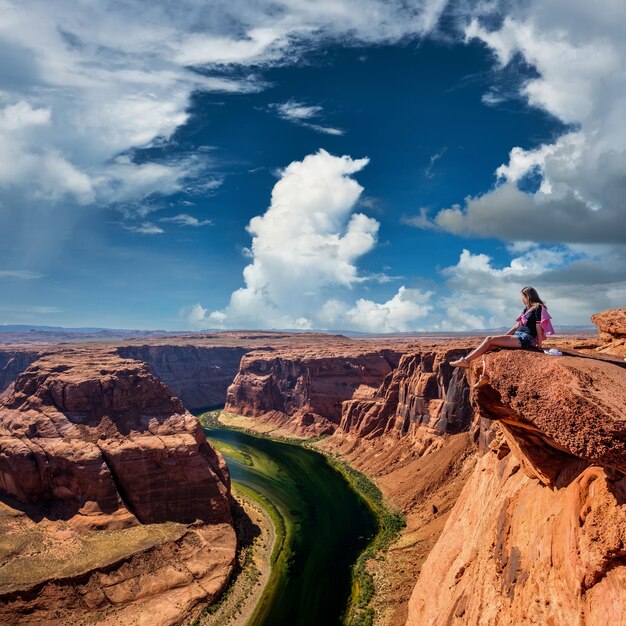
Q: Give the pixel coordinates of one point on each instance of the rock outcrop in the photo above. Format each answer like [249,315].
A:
[198,375]
[538,534]
[91,433]
[162,578]
[612,327]
[306,388]
[95,451]
[423,394]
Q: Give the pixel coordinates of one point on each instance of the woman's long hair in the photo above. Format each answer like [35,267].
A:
[532,296]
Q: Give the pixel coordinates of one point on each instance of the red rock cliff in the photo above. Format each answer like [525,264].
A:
[102,470]
[198,375]
[91,434]
[422,394]
[305,388]
[538,534]
[13,361]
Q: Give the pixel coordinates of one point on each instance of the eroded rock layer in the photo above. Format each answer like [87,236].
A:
[113,504]
[538,534]
[422,394]
[306,388]
[612,327]
[90,433]
[198,375]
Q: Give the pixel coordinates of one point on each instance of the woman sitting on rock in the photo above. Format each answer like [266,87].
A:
[533,325]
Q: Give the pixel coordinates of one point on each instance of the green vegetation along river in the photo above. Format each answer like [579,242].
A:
[322,526]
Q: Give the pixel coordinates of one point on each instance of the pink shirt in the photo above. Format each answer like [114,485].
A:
[545,323]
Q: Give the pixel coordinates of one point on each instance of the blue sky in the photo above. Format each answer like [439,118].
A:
[403,168]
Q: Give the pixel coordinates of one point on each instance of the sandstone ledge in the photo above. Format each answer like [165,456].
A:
[554,410]
[538,534]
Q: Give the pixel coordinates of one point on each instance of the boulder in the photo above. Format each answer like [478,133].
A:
[612,328]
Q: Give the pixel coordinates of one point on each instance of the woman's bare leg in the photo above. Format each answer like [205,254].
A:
[488,343]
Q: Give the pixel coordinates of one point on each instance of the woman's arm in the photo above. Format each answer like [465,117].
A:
[510,332]
[539,334]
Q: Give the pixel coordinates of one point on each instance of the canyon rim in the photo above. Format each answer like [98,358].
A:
[115,507]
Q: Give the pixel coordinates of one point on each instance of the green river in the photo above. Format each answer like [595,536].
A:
[322,526]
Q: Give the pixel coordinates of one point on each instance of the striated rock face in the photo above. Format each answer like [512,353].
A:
[198,375]
[612,327]
[98,437]
[538,534]
[422,395]
[13,362]
[306,388]
[410,436]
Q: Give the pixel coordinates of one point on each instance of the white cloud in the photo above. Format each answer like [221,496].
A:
[304,251]
[306,242]
[258,45]
[407,310]
[197,315]
[327,130]
[510,214]
[572,282]
[299,113]
[296,111]
[428,170]
[183,219]
[30,309]
[577,49]
[20,274]
[21,115]
[145,228]
[421,220]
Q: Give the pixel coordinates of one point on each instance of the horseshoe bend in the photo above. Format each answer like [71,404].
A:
[115,508]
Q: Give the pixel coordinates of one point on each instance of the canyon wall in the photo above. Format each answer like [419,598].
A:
[538,534]
[95,451]
[13,361]
[304,389]
[514,494]
[411,436]
[400,414]
[198,375]
[423,394]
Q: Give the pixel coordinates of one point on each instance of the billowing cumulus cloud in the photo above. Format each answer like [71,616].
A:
[575,282]
[408,310]
[305,248]
[578,50]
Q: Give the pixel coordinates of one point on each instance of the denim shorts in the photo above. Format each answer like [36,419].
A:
[526,339]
